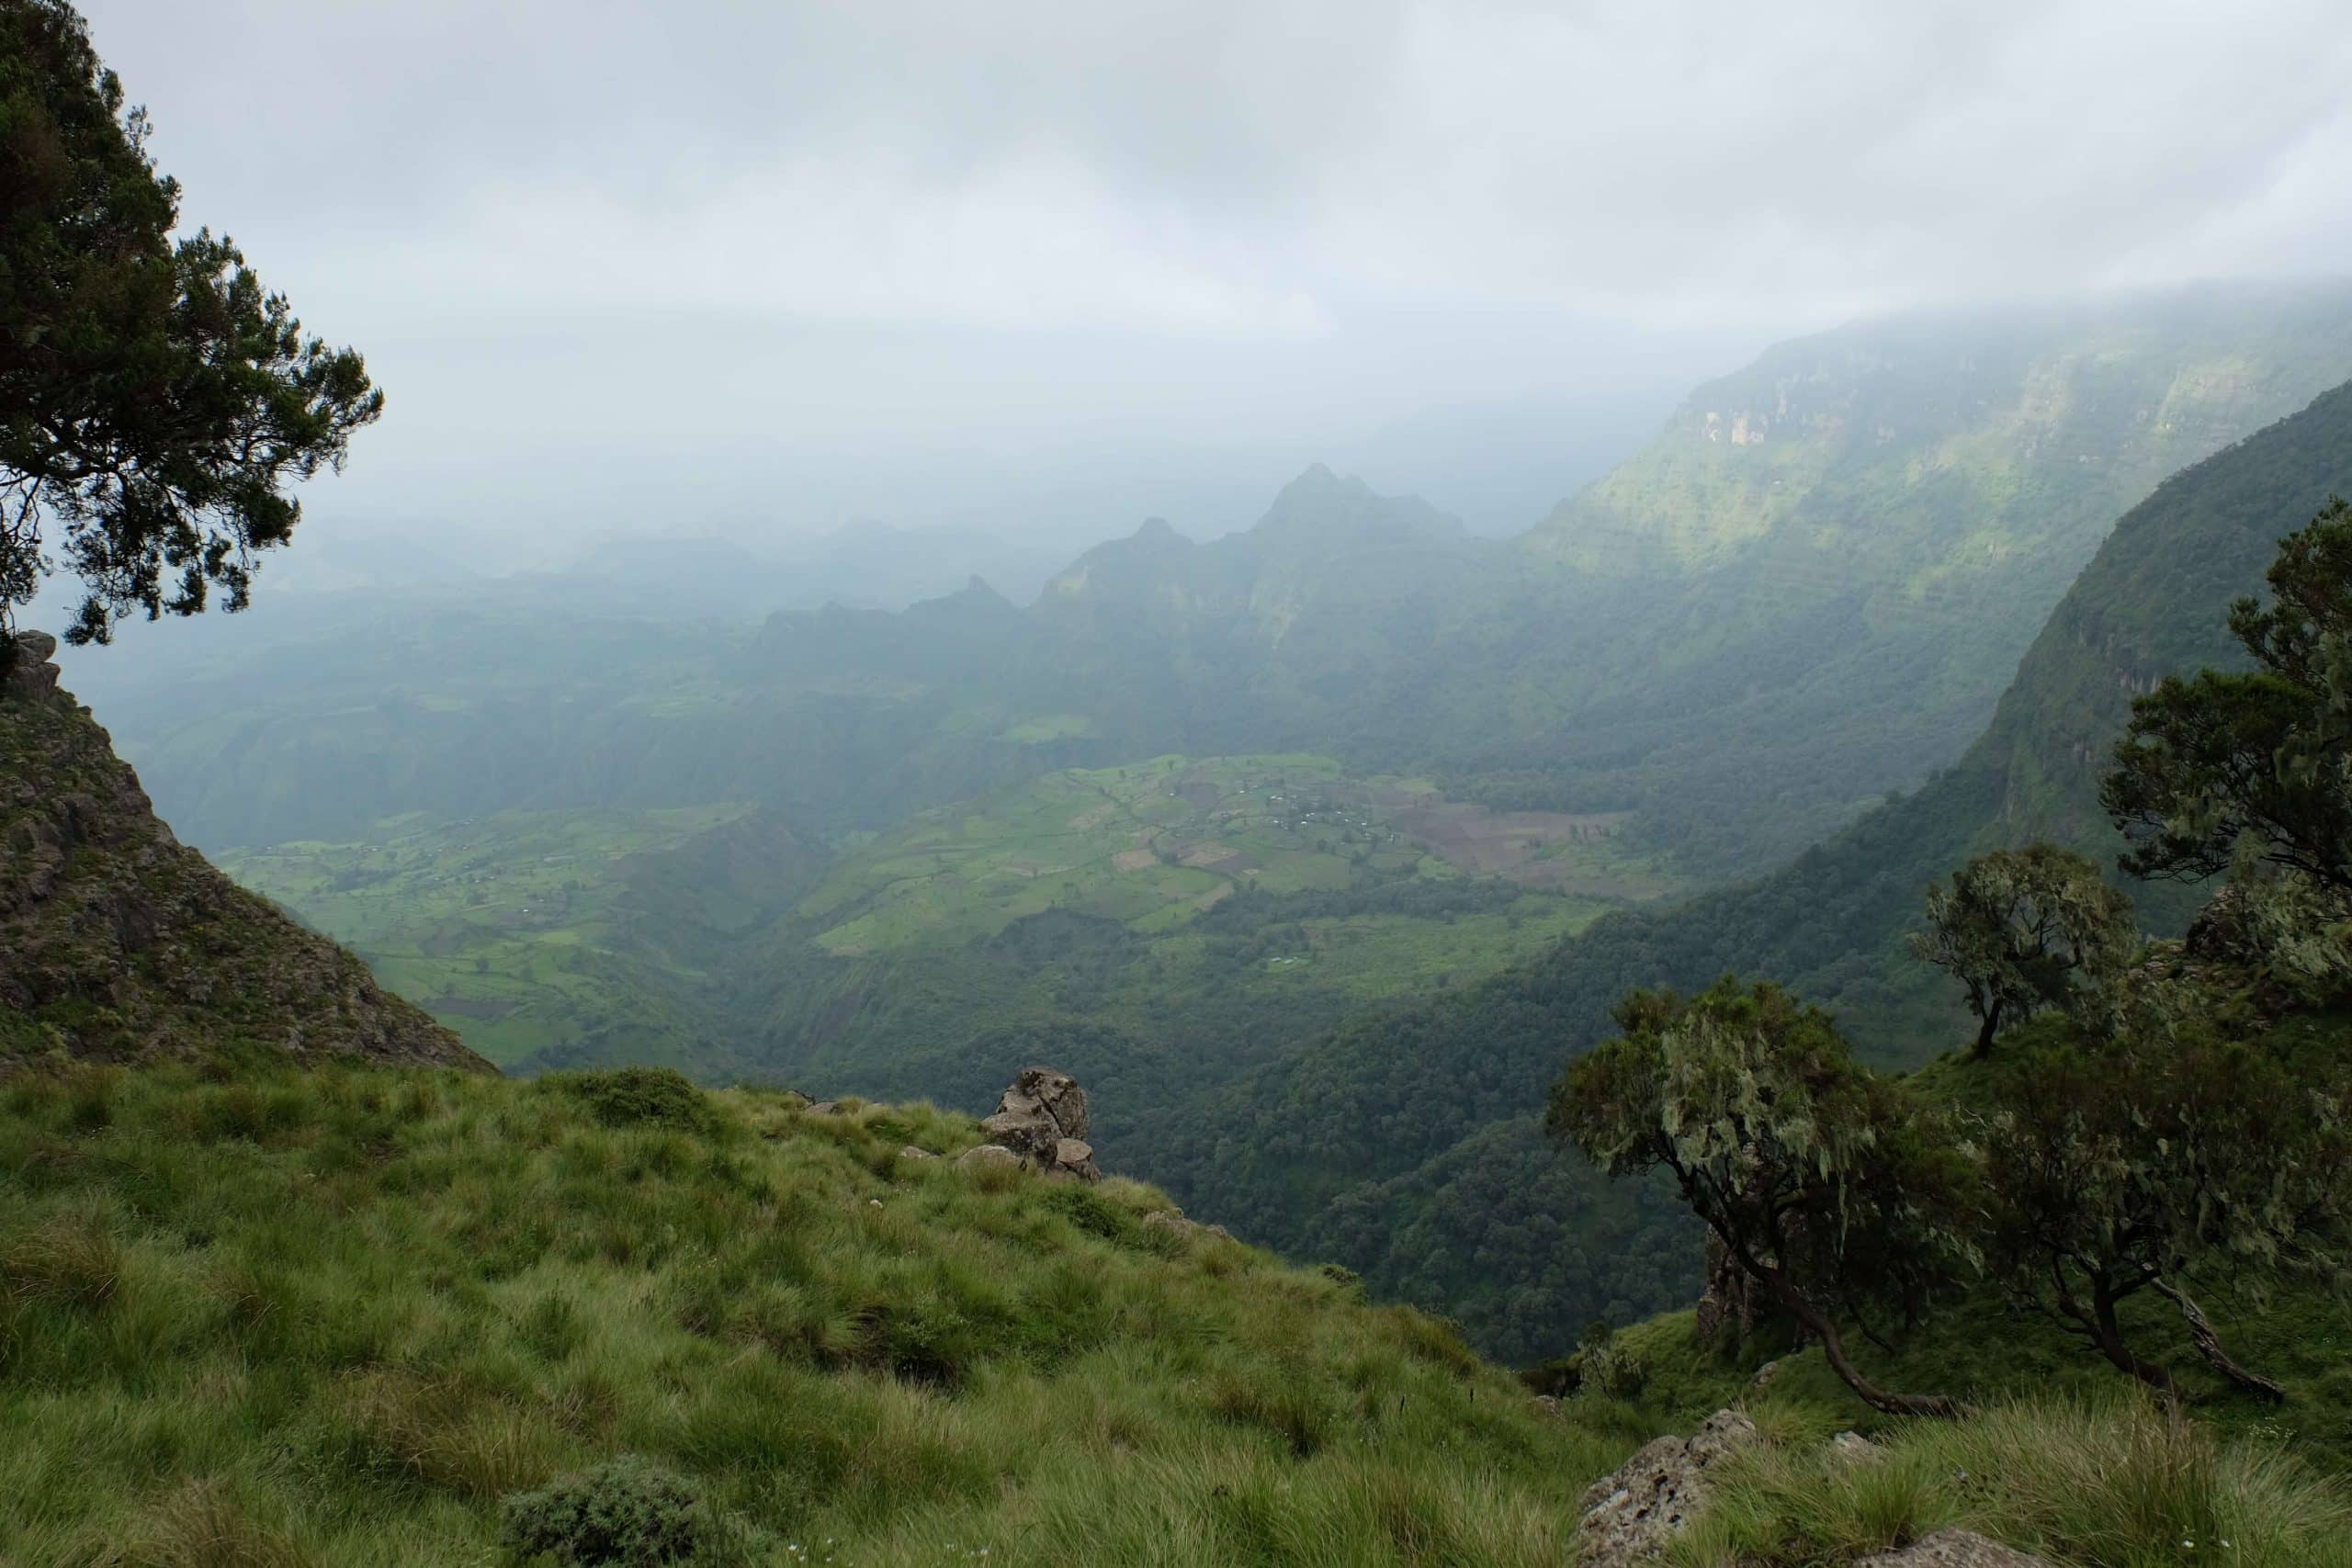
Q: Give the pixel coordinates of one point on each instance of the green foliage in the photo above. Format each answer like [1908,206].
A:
[2175,1150]
[156,402]
[629,1097]
[2025,929]
[1420,1121]
[1826,1184]
[527,931]
[626,1512]
[1604,1366]
[2224,765]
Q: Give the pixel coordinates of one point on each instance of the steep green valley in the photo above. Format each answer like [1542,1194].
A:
[963,849]
[1808,591]
[1047,802]
[1454,1084]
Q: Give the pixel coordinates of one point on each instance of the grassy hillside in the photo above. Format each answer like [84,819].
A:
[835,1351]
[852,1354]
[1368,1121]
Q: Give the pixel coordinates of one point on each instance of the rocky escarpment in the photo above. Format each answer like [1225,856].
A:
[119,942]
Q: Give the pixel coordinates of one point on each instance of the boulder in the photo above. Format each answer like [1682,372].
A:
[989,1155]
[1852,1448]
[1043,1118]
[1955,1548]
[910,1152]
[30,672]
[1630,1516]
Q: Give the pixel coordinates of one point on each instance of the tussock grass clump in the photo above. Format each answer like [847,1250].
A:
[372,1316]
[2114,1482]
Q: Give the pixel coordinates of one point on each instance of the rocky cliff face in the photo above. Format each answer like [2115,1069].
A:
[116,941]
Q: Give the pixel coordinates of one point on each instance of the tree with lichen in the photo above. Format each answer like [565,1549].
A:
[2147,1159]
[156,402]
[1830,1186]
[2254,764]
[2024,930]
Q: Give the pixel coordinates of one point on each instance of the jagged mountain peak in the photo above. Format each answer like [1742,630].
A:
[1340,508]
[975,597]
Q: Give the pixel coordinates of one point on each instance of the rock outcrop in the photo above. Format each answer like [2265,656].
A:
[1629,1516]
[29,673]
[1042,1118]
[116,941]
[1852,1448]
[1955,1548]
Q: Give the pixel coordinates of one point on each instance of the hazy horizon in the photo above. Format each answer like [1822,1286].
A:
[1044,270]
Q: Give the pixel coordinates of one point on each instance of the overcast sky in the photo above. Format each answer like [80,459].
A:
[760,267]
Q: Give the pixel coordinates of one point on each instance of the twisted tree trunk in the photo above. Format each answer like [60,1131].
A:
[1833,1347]
[2108,1335]
[2209,1344]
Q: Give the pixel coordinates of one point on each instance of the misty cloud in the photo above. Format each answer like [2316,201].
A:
[596,244]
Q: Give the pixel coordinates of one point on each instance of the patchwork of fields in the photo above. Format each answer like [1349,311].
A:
[1153,844]
[513,930]
[537,936]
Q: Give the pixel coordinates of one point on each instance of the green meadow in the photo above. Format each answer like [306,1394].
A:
[529,934]
[513,929]
[1153,844]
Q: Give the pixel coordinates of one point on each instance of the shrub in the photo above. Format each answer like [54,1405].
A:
[1611,1369]
[628,1097]
[626,1510]
[1602,1364]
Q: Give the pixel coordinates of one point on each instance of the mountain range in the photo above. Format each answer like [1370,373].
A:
[1432,800]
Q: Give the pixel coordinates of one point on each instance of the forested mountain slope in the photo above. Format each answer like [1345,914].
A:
[1357,1148]
[1827,565]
